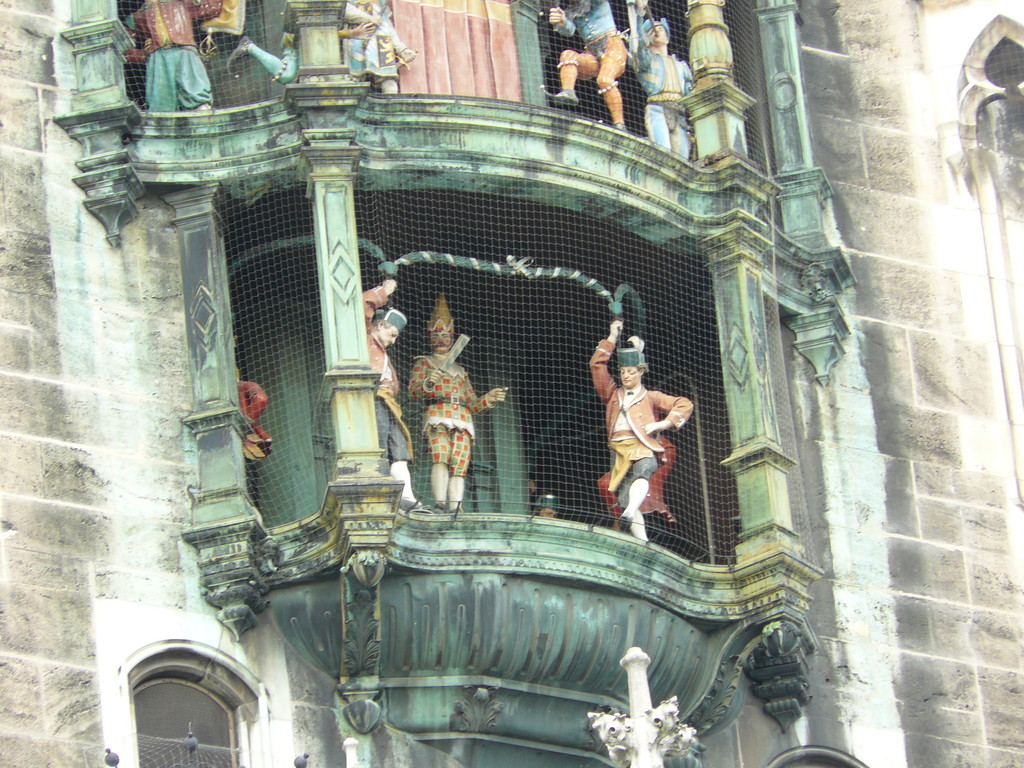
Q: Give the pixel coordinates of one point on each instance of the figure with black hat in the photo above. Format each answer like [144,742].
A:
[448,417]
[383,324]
[634,416]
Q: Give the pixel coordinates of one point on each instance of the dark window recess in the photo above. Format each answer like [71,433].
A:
[180,724]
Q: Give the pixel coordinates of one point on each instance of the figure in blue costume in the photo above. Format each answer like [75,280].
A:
[377,57]
[665,79]
[369,40]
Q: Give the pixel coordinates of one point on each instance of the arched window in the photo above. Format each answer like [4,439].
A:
[179,723]
[190,710]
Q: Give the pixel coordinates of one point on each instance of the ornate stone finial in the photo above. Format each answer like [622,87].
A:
[649,735]
[778,668]
[710,50]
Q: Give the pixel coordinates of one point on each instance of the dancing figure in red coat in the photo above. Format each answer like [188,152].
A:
[634,415]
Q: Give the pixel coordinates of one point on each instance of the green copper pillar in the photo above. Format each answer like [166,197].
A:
[102,115]
[360,491]
[318,22]
[325,91]
[215,420]
[757,459]
[716,106]
[525,16]
[804,186]
[226,527]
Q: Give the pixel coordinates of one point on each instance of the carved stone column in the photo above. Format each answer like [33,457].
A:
[649,734]
[102,116]
[226,527]
[318,22]
[735,256]
[325,90]
[716,107]
[361,493]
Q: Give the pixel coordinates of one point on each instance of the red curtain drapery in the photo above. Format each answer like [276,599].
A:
[466,47]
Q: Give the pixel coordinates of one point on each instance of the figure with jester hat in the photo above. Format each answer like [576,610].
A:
[451,404]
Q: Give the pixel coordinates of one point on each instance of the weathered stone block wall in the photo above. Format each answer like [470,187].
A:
[920,661]
[92,389]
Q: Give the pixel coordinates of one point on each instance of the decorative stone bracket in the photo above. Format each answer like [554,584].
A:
[361,632]
[234,559]
[809,285]
[778,668]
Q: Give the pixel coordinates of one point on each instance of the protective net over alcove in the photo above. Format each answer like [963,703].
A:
[747,72]
[546,445]
[265,21]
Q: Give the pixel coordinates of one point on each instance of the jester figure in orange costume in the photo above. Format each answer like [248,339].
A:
[604,55]
[448,418]
[252,402]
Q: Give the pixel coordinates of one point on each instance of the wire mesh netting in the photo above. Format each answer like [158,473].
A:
[265,22]
[179,725]
[155,752]
[547,440]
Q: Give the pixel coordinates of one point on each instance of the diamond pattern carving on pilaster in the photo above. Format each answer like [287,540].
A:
[738,355]
[203,313]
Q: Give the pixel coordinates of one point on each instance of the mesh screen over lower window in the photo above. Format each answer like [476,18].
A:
[534,336]
[179,725]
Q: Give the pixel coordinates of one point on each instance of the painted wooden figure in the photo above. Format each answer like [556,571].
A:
[176,78]
[382,328]
[665,79]
[634,416]
[448,417]
[604,55]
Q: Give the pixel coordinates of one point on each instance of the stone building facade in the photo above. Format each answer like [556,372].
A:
[871,612]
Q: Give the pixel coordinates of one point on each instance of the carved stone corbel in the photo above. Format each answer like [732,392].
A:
[231,568]
[778,668]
